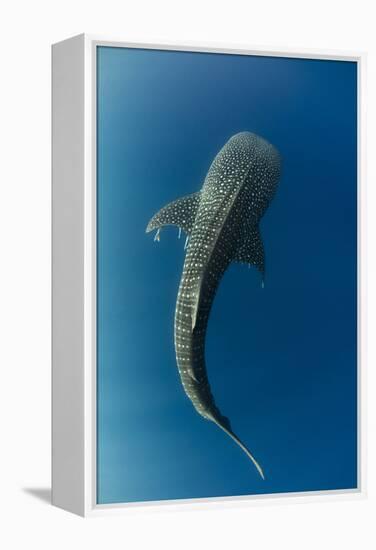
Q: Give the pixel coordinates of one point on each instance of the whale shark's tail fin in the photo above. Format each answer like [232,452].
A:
[229,432]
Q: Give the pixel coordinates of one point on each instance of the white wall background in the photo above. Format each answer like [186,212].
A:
[27,30]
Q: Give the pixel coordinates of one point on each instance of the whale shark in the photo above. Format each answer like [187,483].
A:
[221,223]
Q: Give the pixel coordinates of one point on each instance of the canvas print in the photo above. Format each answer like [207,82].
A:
[226,275]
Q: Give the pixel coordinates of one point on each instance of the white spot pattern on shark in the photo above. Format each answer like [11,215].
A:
[222,226]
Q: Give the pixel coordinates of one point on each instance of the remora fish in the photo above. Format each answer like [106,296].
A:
[222,226]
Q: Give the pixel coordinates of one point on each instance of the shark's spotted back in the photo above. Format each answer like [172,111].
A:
[222,226]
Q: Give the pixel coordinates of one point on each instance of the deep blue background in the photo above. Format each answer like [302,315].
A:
[281,360]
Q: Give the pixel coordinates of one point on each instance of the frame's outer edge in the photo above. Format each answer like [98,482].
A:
[90,282]
[362,273]
[74,278]
[68,381]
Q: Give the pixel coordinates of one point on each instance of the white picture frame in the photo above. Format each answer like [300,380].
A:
[74,277]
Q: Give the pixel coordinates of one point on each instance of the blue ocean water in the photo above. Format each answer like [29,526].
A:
[281,359]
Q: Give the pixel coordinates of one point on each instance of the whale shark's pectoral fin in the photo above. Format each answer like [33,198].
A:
[251,250]
[181,212]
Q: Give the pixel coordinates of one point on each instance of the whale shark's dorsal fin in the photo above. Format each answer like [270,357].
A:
[251,250]
[181,213]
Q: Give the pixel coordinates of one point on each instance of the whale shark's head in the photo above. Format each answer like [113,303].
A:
[262,158]
[249,163]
